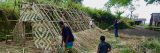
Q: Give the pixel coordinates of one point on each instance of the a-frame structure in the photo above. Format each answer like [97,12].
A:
[43,19]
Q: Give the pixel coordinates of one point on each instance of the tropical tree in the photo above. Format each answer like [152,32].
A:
[128,2]
[118,2]
[152,1]
[119,13]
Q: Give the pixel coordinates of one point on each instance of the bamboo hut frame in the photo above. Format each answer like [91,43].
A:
[50,15]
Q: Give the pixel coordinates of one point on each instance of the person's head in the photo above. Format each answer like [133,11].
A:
[102,38]
[61,23]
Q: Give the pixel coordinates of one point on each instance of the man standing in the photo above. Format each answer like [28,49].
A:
[116,28]
[116,31]
[103,47]
[67,37]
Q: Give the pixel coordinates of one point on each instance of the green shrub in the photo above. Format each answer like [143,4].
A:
[6,27]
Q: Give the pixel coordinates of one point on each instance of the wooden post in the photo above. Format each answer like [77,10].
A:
[23,33]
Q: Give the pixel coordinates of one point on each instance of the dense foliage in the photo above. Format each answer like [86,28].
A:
[6,26]
[119,2]
[127,2]
[8,11]
[105,19]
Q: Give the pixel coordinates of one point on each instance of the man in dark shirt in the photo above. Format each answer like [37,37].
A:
[103,47]
[67,37]
[116,28]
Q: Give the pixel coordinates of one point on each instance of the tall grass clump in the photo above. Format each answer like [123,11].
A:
[152,44]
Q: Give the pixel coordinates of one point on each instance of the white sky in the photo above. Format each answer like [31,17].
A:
[143,10]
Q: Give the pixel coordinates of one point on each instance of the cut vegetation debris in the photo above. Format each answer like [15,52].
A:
[87,42]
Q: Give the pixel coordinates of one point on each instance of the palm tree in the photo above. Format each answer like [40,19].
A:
[119,13]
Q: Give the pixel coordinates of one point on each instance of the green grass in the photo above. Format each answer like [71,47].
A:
[126,50]
[153,44]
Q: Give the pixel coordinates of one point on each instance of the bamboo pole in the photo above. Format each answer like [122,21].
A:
[72,18]
[86,20]
[56,28]
[75,21]
[82,24]
[56,18]
[53,26]
[65,19]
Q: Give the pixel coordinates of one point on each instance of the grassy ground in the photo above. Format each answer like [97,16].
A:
[88,40]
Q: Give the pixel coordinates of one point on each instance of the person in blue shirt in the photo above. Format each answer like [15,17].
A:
[103,47]
[67,36]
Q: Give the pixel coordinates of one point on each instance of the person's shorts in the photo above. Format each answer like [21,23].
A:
[69,45]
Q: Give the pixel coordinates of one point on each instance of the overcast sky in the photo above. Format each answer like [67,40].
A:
[142,10]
